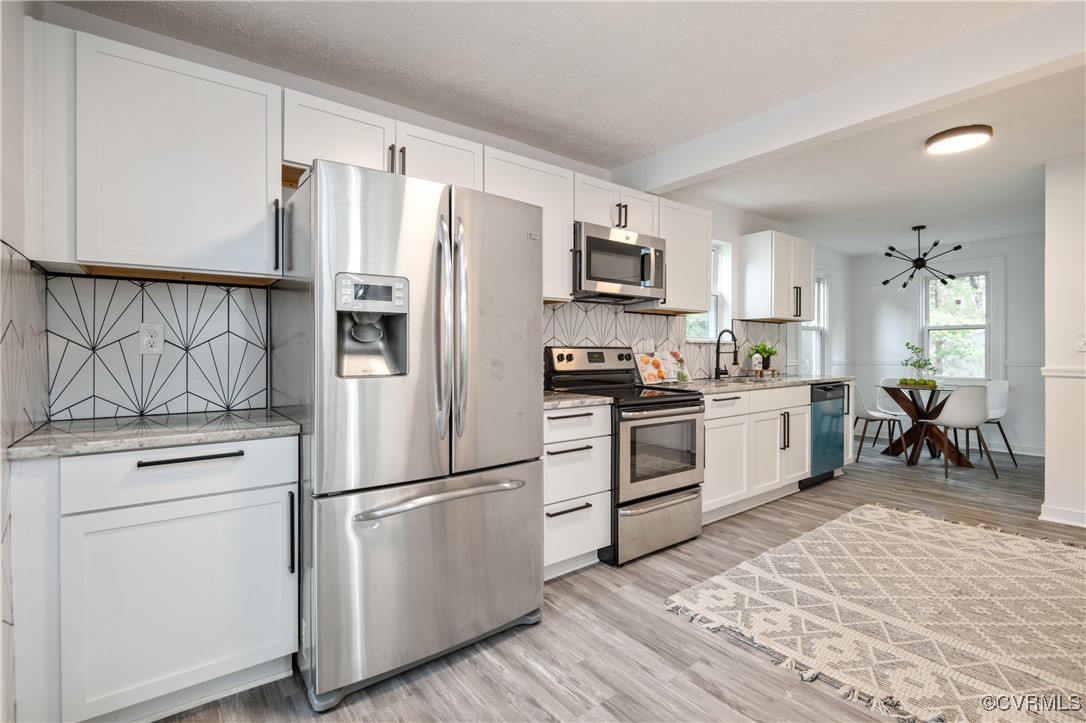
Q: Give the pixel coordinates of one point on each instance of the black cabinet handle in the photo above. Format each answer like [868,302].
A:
[183,460]
[392,158]
[787,430]
[848,399]
[618,223]
[585,506]
[784,433]
[275,207]
[403,160]
[290,502]
[625,216]
[569,451]
[570,416]
[725,399]
[797,300]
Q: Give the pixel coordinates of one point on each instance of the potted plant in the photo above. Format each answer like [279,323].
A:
[766,351]
[921,366]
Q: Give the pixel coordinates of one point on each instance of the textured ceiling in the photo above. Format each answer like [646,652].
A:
[860,193]
[602,83]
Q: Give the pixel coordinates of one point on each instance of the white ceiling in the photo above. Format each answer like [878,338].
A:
[604,83]
[608,83]
[860,193]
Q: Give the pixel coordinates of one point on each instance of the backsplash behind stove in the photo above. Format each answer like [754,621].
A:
[581,324]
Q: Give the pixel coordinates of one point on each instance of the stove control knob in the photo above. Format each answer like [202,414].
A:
[561,357]
[569,357]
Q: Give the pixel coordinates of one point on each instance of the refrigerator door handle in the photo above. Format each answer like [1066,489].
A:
[443,330]
[381,511]
[459,410]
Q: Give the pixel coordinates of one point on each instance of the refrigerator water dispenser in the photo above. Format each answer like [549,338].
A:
[371,325]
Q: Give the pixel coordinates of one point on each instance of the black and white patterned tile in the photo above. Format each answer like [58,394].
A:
[214,353]
[581,324]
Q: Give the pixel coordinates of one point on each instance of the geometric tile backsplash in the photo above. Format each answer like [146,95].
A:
[586,324]
[214,355]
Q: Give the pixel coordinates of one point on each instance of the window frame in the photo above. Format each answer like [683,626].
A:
[926,327]
[718,306]
[818,326]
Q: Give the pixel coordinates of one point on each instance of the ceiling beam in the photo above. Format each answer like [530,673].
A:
[1041,43]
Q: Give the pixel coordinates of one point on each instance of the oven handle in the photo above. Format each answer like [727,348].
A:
[667,502]
[655,413]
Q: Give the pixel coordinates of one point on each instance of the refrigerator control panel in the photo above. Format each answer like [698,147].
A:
[367,293]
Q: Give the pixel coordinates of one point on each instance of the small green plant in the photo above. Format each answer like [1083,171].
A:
[918,361]
[763,349]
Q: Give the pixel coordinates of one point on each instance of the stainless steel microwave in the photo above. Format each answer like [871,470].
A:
[615,265]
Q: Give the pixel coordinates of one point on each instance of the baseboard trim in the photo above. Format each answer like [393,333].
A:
[715,515]
[1024,450]
[1063,516]
[564,567]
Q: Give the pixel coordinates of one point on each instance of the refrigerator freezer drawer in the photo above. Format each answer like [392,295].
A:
[404,573]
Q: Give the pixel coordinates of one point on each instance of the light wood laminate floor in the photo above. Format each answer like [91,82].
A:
[606,650]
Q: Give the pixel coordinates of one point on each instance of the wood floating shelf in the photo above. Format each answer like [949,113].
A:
[292,175]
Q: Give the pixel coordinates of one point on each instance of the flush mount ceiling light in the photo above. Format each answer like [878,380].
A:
[922,261]
[957,140]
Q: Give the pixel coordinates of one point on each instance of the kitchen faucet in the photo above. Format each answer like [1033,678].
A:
[735,354]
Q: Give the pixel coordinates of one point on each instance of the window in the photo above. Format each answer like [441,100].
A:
[956,326]
[707,326]
[812,334]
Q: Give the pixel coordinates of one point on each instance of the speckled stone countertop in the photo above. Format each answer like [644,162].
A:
[119,434]
[735,384]
[565,400]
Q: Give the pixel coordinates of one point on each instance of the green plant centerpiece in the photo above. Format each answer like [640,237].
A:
[766,351]
[922,367]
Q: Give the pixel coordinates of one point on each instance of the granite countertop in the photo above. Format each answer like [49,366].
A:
[119,434]
[565,400]
[734,384]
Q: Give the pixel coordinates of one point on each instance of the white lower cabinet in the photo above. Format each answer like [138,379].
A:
[576,487]
[161,595]
[796,455]
[726,475]
[766,432]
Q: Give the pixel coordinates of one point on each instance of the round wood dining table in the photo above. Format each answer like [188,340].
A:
[910,399]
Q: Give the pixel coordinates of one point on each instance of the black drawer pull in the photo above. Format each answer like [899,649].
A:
[290,506]
[569,451]
[585,506]
[570,416]
[182,460]
[725,399]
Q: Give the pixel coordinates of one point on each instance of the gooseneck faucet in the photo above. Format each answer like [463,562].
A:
[735,354]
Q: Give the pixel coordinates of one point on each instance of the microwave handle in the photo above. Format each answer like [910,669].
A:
[647,277]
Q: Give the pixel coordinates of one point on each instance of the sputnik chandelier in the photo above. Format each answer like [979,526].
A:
[922,261]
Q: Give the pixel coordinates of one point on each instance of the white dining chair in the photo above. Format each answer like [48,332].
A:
[999,392]
[862,412]
[884,403]
[966,408]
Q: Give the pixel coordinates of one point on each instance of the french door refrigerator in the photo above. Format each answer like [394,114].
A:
[406,342]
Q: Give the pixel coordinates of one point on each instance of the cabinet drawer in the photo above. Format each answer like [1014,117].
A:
[766,400]
[577,468]
[574,527]
[726,404]
[102,481]
[560,425]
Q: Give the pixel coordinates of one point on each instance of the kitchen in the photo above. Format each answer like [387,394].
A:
[219,350]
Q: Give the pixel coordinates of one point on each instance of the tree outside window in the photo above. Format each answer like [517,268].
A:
[956,330]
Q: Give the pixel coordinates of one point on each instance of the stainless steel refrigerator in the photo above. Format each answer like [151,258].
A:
[406,342]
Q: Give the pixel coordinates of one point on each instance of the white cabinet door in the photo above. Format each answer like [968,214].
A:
[596,201]
[796,456]
[689,235]
[803,279]
[156,598]
[424,153]
[727,441]
[575,527]
[784,296]
[765,451]
[318,128]
[641,213]
[551,188]
[177,164]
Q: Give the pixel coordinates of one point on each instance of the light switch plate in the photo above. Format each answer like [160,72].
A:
[151,338]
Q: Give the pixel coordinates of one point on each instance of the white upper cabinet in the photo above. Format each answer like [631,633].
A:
[177,165]
[609,204]
[550,188]
[317,128]
[777,277]
[688,232]
[423,153]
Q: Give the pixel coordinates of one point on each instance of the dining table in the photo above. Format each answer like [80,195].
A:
[911,399]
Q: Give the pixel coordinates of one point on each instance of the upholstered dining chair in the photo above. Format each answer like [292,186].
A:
[999,392]
[862,412]
[966,408]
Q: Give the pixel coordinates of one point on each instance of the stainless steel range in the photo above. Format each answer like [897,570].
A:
[658,456]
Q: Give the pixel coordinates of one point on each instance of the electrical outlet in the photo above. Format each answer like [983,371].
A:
[151,338]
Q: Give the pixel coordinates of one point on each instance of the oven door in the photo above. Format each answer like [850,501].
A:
[615,262]
[659,450]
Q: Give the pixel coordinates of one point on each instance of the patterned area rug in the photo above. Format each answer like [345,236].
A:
[915,617]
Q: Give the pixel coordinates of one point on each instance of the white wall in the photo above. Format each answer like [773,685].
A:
[1065,362]
[883,320]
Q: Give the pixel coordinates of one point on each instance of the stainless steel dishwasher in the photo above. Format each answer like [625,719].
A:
[828,414]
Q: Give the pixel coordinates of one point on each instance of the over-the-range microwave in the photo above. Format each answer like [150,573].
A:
[616,266]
